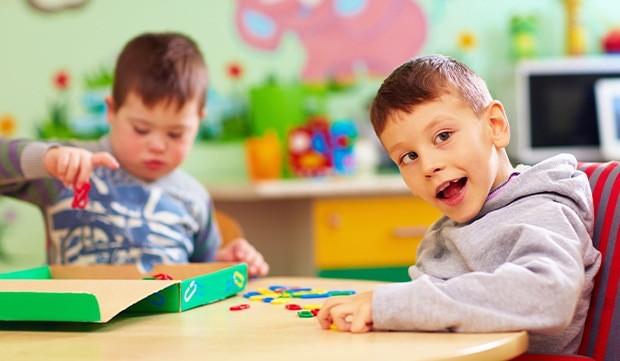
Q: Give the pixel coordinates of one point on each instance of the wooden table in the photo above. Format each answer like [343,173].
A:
[262,332]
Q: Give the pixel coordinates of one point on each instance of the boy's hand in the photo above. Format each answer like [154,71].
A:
[73,166]
[240,250]
[348,313]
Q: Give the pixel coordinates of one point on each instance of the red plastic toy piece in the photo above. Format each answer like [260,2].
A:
[240,307]
[80,196]
[162,277]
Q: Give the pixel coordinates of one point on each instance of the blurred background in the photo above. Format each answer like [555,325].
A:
[280,72]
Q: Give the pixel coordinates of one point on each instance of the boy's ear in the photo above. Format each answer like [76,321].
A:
[498,124]
[111,112]
[203,113]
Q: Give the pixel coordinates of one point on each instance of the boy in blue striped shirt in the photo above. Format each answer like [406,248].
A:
[142,208]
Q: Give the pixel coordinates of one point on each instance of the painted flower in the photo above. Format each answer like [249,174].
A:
[467,41]
[7,125]
[61,80]
[234,70]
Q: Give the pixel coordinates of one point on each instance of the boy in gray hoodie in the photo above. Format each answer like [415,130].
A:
[513,250]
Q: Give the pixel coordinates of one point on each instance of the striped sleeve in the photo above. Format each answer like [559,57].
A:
[10,167]
[22,175]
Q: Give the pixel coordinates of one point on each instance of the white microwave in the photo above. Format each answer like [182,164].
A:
[556,106]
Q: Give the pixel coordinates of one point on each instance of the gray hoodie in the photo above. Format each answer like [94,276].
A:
[526,262]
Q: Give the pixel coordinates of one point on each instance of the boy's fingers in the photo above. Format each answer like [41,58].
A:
[258,259]
[359,327]
[84,174]
[73,167]
[326,323]
[324,319]
[361,320]
[104,159]
[240,253]
[339,316]
[264,269]
[250,256]
[61,166]
[258,266]
[324,316]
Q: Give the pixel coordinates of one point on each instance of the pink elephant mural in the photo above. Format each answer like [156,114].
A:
[339,36]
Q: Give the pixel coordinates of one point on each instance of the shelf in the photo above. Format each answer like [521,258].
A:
[374,185]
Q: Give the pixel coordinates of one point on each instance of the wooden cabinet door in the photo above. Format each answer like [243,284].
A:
[369,232]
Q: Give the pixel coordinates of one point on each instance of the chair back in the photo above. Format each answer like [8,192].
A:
[229,227]
[601,338]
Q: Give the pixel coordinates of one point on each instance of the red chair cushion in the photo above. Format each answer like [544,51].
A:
[601,339]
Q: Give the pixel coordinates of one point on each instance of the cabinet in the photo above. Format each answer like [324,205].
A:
[365,228]
[369,237]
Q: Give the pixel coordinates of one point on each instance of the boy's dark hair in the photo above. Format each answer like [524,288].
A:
[161,66]
[424,79]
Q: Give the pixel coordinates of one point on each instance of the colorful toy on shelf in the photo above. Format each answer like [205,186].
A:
[309,148]
[319,148]
[264,156]
[343,133]
[276,106]
[611,41]
[524,32]
[575,30]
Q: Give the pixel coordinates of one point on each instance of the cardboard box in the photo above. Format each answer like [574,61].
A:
[98,293]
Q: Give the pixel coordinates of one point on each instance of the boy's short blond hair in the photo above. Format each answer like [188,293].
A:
[161,66]
[424,79]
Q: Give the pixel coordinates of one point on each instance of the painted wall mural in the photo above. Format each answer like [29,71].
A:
[341,37]
[89,121]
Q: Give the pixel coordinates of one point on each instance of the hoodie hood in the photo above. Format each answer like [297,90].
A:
[556,178]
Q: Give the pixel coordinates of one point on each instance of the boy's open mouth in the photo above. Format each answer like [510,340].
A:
[452,188]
